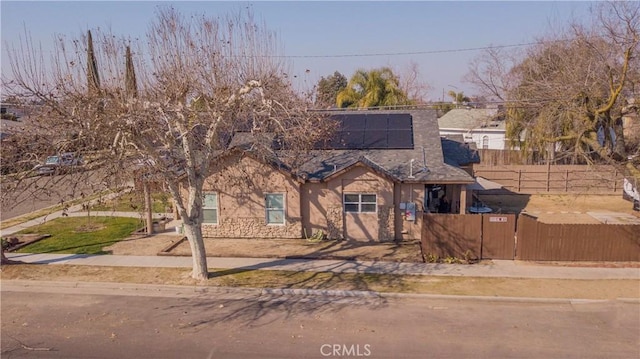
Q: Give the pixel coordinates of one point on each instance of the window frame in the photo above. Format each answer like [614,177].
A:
[216,208]
[268,210]
[485,142]
[359,202]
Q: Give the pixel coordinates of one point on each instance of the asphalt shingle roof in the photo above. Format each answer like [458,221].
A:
[471,119]
[428,161]
[457,152]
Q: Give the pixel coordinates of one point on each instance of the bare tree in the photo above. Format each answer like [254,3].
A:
[569,92]
[198,81]
[412,85]
[490,73]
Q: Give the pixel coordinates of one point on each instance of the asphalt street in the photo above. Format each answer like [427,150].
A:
[78,323]
[36,193]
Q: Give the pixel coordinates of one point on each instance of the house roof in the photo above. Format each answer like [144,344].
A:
[424,162]
[472,119]
[457,152]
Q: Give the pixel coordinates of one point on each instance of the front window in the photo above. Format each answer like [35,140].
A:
[360,203]
[274,207]
[210,208]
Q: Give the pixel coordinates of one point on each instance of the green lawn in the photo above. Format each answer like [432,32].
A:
[79,235]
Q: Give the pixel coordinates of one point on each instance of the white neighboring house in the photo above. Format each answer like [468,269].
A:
[485,127]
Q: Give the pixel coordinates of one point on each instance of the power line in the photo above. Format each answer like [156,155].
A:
[426,52]
[419,52]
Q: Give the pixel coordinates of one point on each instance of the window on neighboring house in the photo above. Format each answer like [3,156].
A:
[485,142]
[274,207]
[360,203]
[210,208]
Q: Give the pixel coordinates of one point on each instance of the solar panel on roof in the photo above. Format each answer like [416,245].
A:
[376,122]
[375,139]
[355,123]
[400,139]
[353,139]
[371,131]
[399,121]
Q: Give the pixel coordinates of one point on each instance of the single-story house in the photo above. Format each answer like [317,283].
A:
[372,181]
[484,127]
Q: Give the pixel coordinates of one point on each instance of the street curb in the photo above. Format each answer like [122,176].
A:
[172,290]
[629,300]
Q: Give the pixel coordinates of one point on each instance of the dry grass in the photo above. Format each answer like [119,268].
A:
[476,286]
[273,248]
[559,208]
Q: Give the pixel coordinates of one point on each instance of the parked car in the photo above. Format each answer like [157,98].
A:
[59,164]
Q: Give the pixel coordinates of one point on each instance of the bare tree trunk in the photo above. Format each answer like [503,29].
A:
[619,147]
[198,253]
[5,260]
[147,207]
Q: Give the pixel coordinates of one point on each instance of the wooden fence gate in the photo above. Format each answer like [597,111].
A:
[498,236]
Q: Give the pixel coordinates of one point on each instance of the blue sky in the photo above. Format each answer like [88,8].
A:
[327,29]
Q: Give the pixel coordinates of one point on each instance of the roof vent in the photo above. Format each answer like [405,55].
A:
[411,168]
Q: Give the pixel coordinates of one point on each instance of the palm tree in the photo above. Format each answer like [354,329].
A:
[458,97]
[375,88]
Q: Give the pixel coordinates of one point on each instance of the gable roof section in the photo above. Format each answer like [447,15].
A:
[472,119]
[269,159]
[457,152]
[362,161]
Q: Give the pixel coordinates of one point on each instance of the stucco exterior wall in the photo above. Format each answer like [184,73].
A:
[322,207]
[242,184]
[408,229]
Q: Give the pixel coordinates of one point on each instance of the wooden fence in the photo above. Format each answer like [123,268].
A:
[491,157]
[576,242]
[532,179]
[503,236]
[452,235]
[469,235]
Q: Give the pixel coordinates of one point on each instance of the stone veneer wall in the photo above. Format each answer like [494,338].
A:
[386,220]
[335,223]
[252,227]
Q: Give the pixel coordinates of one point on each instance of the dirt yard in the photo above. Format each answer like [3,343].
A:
[564,208]
[272,248]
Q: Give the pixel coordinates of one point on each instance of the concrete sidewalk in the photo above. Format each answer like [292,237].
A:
[497,268]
